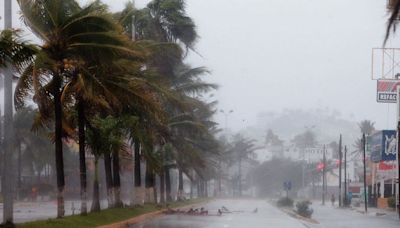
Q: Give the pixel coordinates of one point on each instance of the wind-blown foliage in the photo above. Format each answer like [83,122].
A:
[97,83]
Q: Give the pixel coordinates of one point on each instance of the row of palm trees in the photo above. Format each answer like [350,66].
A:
[114,80]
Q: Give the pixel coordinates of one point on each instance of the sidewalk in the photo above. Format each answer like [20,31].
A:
[32,211]
[333,217]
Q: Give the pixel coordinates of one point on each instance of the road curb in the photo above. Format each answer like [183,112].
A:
[293,214]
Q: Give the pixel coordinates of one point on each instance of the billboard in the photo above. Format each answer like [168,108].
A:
[383,146]
[389,145]
[387,91]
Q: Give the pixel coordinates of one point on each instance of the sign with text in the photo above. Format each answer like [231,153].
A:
[387,91]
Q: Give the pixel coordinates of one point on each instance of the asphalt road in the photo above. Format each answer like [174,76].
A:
[242,216]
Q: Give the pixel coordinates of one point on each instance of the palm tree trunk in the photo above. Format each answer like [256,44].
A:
[117,180]
[198,188]
[180,185]
[162,187]
[109,179]
[19,169]
[168,184]
[191,188]
[59,146]
[149,184]
[96,188]
[206,189]
[155,194]
[138,176]
[240,177]
[82,153]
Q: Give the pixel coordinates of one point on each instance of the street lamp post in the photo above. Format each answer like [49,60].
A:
[226,114]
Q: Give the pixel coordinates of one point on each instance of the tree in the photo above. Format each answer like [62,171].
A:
[393,19]
[105,137]
[366,127]
[305,139]
[270,175]
[272,139]
[72,35]
[242,150]
[165,23]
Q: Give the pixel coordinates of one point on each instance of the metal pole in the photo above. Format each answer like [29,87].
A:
[365,176]
[323,177]
[340,171]
[8,128]
[345,175]
[398,151]
[398,161]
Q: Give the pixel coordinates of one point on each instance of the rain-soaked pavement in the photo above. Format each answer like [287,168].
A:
[241,217]
[269,216]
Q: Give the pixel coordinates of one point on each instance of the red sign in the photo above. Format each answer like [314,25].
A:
[387,91]
[386,166]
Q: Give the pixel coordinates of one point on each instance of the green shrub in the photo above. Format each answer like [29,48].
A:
[285,202]
[392,202]
[303,208]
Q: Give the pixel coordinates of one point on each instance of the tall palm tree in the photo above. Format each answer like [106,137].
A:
[393,19]
[14,53]
[366,127]
[165,21]
[71,34]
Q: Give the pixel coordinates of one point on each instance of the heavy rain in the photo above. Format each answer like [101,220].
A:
[199,113]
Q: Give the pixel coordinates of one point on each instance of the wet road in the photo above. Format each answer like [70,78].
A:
[242,217]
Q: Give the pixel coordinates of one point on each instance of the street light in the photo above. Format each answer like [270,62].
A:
[226,114]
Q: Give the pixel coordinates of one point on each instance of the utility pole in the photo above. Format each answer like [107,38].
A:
[323,177]
[340,171]
[365,176]
[345,175]
[7,184]
[398,159]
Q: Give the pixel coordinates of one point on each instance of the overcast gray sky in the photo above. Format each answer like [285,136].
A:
[268,55]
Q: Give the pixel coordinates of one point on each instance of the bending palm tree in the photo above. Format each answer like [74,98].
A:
[69,33]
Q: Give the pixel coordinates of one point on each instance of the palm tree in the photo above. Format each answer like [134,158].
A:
[243,149]
[23,120]
[165,21]
[366,127]
[393,19]
[72,35]
[13,53]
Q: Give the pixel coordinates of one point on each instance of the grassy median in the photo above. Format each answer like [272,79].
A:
[103,217]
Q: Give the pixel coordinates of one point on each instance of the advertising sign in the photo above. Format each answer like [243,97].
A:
[389,145]
[383,146]
[387,91]
[375,145]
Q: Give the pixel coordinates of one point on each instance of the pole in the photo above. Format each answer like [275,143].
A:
[365,175]
[7,184]
[398,151]
[323,177]
[398,163]
[340,171]
[345,175]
